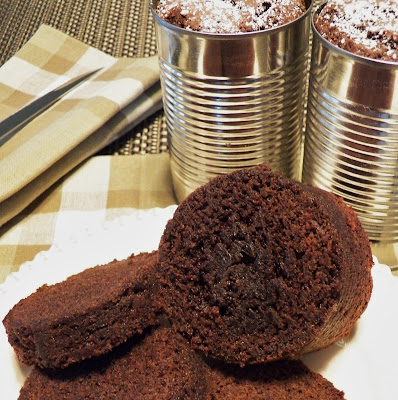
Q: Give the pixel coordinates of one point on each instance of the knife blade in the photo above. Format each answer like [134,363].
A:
[14,123]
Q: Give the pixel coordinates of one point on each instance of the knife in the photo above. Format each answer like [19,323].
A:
[14,123]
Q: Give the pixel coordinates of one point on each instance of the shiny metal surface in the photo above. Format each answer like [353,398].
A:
[10,126]
[232,101]
[351,144]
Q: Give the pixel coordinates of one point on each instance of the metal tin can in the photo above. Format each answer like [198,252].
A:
[351,140]
[232,100]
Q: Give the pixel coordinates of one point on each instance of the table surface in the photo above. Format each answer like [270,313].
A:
[121,28]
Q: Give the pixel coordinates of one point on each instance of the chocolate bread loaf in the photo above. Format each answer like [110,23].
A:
[86,315]
[228,16]
[254,267]
[368,28]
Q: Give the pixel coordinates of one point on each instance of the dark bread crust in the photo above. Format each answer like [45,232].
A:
[86,315]
[254,267]
[158,366]
[354,297]
[286,379]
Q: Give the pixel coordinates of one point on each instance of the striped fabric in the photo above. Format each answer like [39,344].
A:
[119,96]
[102,188]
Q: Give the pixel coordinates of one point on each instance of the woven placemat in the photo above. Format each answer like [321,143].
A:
[121,28]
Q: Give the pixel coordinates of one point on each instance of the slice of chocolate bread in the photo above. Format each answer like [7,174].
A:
[86,315]
[255,267]
[286,379]
[158,366]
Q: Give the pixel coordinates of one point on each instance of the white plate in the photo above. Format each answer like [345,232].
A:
[364,365]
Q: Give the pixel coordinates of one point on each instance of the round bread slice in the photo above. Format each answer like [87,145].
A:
[254,267]
[286,379]
[86,315]
[157,366]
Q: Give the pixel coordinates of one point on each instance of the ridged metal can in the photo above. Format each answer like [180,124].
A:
[232,100]
[351,140]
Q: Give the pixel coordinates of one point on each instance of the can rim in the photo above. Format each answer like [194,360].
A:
[221,36]
[346,53]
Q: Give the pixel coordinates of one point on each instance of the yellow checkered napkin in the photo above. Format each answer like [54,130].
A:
[120,95]
[101,189]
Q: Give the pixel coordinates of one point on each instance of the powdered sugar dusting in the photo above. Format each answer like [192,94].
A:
[370,24]
[229,16]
